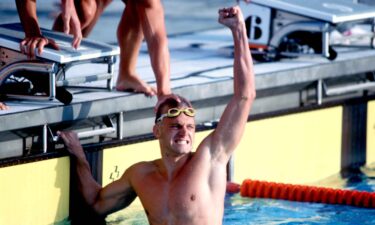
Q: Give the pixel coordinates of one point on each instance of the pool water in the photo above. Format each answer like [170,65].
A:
[243,211]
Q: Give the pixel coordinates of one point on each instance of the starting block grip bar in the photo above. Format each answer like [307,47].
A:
[91,133]
[330,91]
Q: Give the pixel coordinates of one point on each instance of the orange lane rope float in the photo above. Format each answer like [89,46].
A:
[302,193]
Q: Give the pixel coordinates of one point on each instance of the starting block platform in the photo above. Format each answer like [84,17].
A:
[290,28]
[44,78]
[332,11]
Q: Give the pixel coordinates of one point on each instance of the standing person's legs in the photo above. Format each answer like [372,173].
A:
[146,16]
[89,24]
[88,12]
[151,13]
[130,36]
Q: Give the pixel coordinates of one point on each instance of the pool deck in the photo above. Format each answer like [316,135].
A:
[201,69]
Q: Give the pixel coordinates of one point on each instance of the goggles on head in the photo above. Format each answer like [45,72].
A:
[174,112]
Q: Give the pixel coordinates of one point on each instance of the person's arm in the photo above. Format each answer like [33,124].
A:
[71,22]
[114,196]
[229,131]
[33,35]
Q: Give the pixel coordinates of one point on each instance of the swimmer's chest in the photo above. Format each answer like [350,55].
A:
[185,194]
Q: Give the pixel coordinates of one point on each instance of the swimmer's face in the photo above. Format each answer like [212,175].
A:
[176,134]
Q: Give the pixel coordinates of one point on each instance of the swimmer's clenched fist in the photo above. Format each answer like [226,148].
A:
[230,17]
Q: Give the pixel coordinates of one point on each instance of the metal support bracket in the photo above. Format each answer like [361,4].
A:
[48,135]
[322,89]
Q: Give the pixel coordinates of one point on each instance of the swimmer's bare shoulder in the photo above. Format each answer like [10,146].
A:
[141,170]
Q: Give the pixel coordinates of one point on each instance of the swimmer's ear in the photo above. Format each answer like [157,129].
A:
[156,131]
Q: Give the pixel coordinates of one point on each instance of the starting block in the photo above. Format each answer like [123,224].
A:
[290,28]
[44,78]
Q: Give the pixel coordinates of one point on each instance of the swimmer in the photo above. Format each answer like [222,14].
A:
[182,187]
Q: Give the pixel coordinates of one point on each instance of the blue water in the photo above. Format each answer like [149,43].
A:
[244,211]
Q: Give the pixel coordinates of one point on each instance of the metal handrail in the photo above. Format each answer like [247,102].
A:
[332,91]
[91,133]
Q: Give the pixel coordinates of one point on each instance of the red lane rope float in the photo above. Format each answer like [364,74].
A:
[302,193]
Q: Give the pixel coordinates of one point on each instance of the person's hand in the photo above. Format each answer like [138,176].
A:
[29,44]
[3,106]
[71,22]
[72,143]
[231,17]
[162,98]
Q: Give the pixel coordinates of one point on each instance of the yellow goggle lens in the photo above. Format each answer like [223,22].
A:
[174,112]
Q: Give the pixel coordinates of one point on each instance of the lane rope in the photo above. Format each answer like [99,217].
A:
[302,193]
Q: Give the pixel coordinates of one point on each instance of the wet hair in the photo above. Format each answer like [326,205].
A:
[172,103]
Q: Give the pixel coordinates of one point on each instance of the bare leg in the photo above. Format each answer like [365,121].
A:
[146,16]
[151,13]
[100,6]
[88,12]
[130,36]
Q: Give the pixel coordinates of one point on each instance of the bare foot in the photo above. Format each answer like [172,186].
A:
[3,106]
[135,84]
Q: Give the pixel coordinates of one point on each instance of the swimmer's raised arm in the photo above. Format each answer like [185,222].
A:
[230,129]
